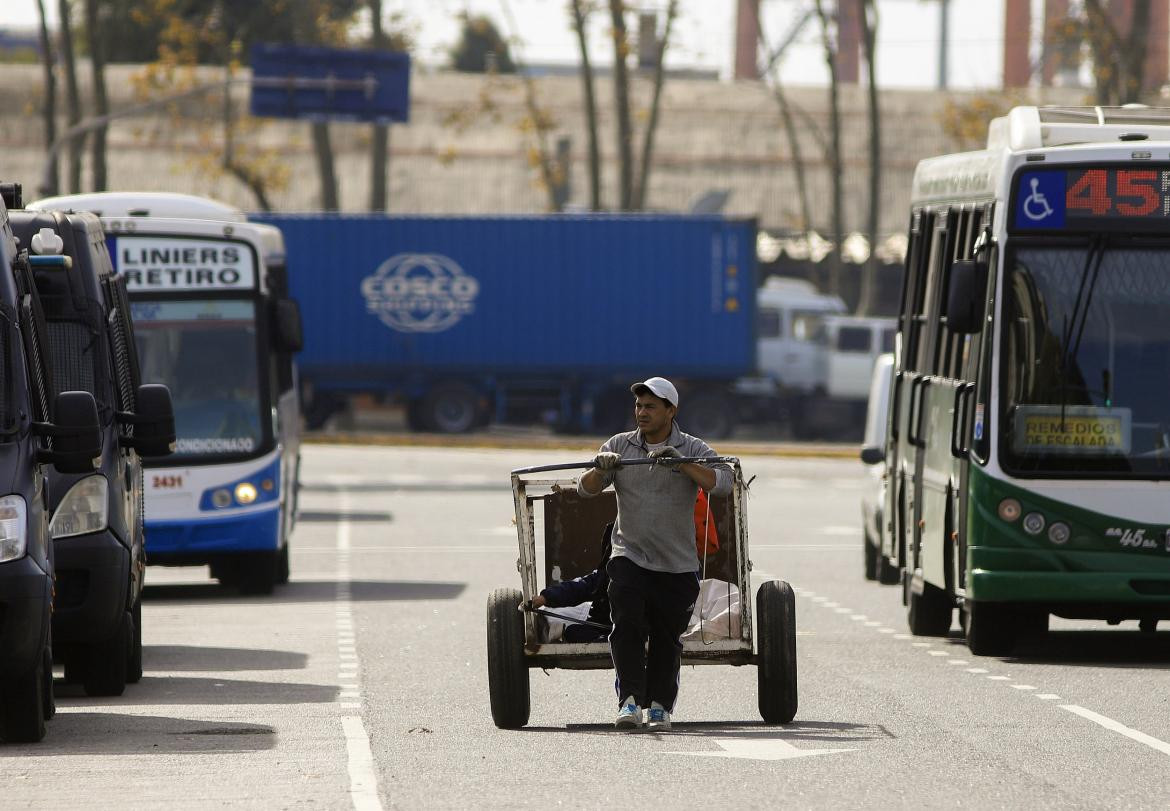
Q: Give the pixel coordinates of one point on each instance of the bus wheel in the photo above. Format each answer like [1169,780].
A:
[105,663]
[282,567]
[22,706]
[507,670]
[991,630]
[256,572]
[134,657]
[929,613]
[776,665]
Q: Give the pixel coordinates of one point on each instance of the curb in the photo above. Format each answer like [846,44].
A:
[589,444]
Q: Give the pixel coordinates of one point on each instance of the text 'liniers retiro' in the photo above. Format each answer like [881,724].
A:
[203,265]
[1073,432]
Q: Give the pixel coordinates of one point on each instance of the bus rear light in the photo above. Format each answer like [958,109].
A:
[1059,533]
[1034,523]
[1009,510]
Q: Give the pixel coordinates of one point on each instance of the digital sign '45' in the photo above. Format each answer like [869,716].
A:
[1101,197]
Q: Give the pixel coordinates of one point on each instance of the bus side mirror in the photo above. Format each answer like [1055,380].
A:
[966,296]
[871,455]
[76,434]
[287,326]
[153,421]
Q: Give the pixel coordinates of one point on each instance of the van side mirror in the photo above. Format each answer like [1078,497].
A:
[287,326]
[966,296]
[871,455]
[76,434]
[153,421]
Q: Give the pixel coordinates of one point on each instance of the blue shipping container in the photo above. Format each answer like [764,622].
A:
[622,295]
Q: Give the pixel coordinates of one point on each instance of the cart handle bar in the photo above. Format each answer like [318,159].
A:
[667,460]
[567,619]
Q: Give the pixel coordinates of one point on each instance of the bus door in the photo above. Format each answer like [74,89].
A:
[927,394]
[900,459]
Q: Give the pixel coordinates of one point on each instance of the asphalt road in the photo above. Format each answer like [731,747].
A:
[363,683]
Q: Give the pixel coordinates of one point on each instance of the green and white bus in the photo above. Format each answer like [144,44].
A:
[1029,435]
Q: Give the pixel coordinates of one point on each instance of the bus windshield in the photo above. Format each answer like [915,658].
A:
[1086,360]
[206,351]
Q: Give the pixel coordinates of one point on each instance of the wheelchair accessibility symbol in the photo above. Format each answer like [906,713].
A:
[1036,206]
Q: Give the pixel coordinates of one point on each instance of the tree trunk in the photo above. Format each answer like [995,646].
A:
[1133,55]
[639,201]
[380,142]
[590,107]
[96,36]
[323,148]
[869,22]
[621,98]
[838,229]
[50,108]
[73,98]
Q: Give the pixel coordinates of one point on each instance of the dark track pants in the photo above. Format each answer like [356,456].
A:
[652,606]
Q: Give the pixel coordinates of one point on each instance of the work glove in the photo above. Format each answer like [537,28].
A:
[666,455]
[607,461]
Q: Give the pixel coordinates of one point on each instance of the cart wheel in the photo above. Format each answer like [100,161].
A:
[507,670]
[776,622]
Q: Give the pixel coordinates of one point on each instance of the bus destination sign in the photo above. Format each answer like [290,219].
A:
[1096,197]
[151,263]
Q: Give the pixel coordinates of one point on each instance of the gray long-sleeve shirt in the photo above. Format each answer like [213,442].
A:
[656,503]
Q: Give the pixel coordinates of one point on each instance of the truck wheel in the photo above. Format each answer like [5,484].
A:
[105,663]
[709,414]
[22,706]
[256,572]
[929,613]
[776,666]
[507,670]
[452,408]
[134,658]
[991,630]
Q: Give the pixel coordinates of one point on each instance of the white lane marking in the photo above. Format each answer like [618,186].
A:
[1118,727]
[1048,696]
[363,780]
[901,636]
[859,618]
[838,531]
[832,605]
[760,749]
[843,610]
[956,661]
[920,644]
[872,624]
[824,600]
[938,653]
[351,705]
[886,631]
[999,678]
[976,670]
[1023,687]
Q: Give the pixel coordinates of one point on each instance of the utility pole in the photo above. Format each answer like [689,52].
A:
[944,35]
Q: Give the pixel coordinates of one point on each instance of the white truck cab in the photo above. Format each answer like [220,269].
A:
[791,348]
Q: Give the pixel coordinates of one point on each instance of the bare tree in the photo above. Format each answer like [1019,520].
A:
[96,42]
[72,96]
[838,229]
[1118,59]
[580,14]
[50,108]
[621,97]
[869,23]
[380,142]
[639,199]
[772,70]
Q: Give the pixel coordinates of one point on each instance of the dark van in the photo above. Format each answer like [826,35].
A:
[96,517]
[36,429]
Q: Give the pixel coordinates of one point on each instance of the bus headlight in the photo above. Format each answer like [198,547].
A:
[245,492]
[1059,533]
[1009,509]
[84,509]
[13,528]
[222,498]
[1034,523]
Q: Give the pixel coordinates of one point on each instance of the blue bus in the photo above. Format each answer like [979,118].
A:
[213,321]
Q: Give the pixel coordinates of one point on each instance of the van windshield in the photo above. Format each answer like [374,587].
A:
[206,352]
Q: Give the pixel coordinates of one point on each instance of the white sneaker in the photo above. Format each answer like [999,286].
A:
[629,716]
[658,718]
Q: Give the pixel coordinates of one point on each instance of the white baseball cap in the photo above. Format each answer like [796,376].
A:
[660,387]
